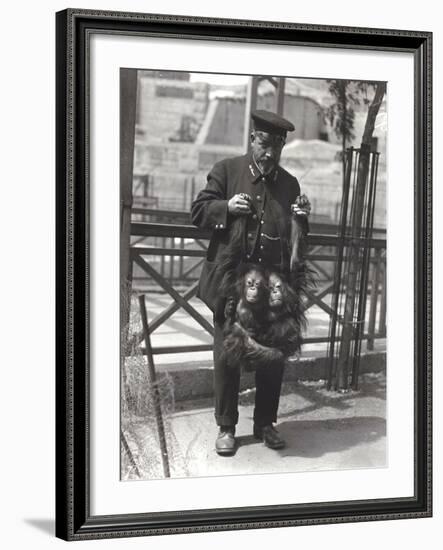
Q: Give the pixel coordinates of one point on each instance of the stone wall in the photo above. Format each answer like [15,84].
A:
[169,109]
[195,379]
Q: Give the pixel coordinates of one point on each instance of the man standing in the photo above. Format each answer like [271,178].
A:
[270,204]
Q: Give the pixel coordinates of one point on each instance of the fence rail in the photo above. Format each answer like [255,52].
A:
[191,244]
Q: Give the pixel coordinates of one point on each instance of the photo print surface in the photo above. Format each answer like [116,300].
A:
[252,274]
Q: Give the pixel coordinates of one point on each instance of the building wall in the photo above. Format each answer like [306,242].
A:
[228,123]
[166,107]
[176,168]
[303,112]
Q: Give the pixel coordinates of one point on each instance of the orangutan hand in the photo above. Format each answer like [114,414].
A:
[229,308]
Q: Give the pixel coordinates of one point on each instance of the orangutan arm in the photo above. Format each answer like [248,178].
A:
[242,349]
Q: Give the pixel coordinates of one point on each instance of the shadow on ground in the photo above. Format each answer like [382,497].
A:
[314,438]
[323,430]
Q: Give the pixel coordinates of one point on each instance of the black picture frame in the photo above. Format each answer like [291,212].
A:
[74,28]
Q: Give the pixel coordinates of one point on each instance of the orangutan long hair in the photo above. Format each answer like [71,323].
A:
[266,332]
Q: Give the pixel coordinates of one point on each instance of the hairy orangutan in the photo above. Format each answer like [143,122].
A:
[249,320]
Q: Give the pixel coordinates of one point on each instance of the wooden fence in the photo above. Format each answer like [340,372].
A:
[169,257]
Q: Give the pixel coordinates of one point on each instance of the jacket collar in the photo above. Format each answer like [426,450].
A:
[255,174]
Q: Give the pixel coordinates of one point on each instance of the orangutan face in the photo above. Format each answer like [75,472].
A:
[275,291]
[254,287]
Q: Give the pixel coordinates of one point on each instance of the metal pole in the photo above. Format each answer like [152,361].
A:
[181,258]
[339,265]
[348,324]
[162,258]
[281,97]
[185,195]
[171,262]
[361,315]
[251,105]
[192,189]
[153,384]
[128,102]
[382,319]
[126,302]
[129,453]
[374,300]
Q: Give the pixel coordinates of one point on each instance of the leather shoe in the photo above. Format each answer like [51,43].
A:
[225,442]
[270,436]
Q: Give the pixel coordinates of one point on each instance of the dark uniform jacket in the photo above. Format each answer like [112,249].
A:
[268,227]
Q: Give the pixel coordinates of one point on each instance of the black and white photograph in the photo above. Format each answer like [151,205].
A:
[253,261]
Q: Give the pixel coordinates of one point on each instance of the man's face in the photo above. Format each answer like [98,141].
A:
[266,149]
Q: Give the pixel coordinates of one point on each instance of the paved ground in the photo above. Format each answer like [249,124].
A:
[324,431]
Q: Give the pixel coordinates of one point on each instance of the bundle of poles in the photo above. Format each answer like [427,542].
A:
[351,272]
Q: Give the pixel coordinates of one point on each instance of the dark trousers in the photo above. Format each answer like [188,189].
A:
[227,385]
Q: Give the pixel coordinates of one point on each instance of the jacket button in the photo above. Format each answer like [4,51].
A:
[258,197]
[221,226]
[254,217]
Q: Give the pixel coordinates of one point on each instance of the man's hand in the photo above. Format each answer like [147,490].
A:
[240,204]
[301,207]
